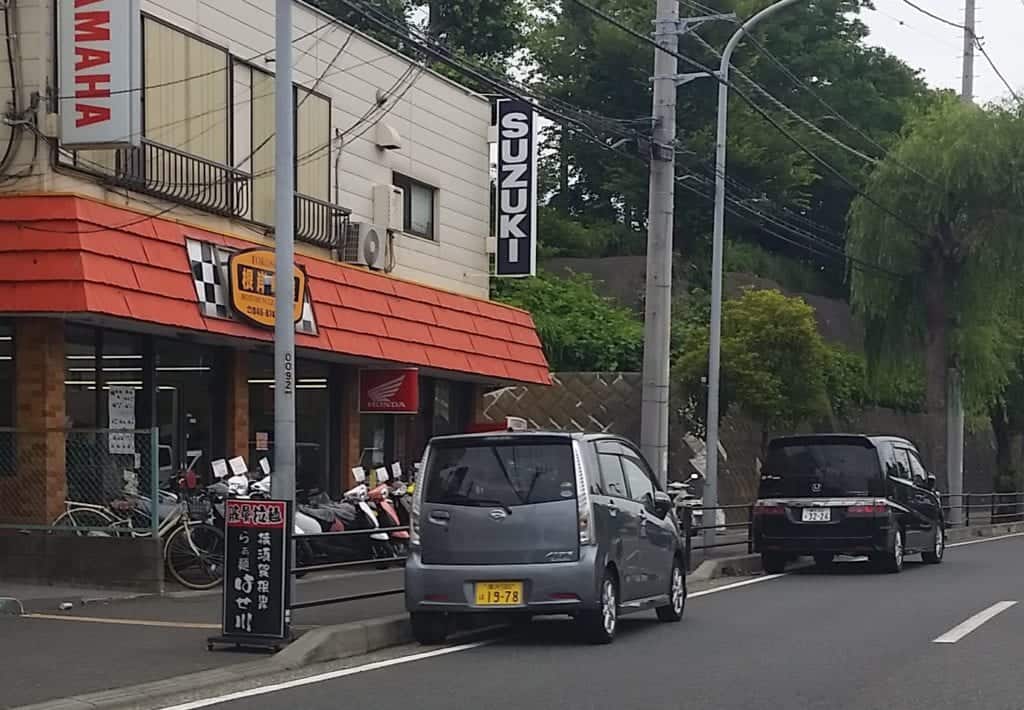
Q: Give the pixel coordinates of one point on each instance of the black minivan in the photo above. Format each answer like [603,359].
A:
[831,494]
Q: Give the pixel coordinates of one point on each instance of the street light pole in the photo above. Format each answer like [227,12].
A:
[715,349]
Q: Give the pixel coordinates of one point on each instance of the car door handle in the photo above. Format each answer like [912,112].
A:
[440,516]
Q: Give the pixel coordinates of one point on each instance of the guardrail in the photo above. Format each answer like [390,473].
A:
[976,509]
[349,564]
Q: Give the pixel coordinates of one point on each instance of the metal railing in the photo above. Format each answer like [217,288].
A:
[319,222]
[350,564]
[162,171]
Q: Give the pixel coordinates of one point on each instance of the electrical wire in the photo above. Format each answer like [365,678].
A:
[975,40]
[761,112]
[15,133]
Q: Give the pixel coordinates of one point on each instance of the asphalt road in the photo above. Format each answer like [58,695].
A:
[845,638]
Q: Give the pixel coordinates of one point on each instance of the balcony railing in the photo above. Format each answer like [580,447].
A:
[319,222]
[172,174]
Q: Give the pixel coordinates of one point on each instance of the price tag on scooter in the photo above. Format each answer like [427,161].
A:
[359,474]
[265,466]
[382,475]
[396,471]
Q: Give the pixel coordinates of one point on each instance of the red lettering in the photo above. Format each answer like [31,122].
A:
[89,114]
[83,3]
[94,82]
[89,58]
[92,26]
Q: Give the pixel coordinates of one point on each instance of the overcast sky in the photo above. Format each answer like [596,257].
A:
[937,49]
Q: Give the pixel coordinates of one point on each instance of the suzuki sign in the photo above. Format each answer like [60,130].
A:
[100,68]
[389,391]
[517,189]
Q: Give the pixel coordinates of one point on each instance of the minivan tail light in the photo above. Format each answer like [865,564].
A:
[869,510]
[769,509]
[417,502]
[584,511]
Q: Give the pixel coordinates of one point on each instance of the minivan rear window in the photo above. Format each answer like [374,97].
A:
[492,473]
[816,469]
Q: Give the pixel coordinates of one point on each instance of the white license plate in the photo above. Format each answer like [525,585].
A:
[817,515]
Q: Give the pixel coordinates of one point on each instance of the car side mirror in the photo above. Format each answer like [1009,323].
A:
[662,503]
[930,482]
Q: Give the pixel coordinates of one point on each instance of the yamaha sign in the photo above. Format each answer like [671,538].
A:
[517,189]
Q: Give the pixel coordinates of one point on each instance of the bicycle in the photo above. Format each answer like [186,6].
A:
[194,549]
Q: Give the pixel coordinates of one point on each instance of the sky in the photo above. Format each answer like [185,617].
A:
[937,49]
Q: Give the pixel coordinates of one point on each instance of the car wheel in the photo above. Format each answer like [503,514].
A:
[673,611]
[600,626]
[429,628]
[934,556]
[773,563]
[892,560]
[823,559]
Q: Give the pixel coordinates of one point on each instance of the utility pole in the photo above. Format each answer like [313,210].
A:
[954,376]
[658,301]
[710,497]
[283,481]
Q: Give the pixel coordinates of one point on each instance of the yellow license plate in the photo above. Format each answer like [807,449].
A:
[499,593]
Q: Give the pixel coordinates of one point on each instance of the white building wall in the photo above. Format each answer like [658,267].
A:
[442,125]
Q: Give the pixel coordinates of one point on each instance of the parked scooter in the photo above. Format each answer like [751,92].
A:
[687,502]
[380,496]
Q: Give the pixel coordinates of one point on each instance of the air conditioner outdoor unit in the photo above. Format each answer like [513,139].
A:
[367,245]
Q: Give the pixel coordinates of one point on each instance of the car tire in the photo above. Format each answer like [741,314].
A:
[599,626]
[938,551]
[673,611]
[773,563]
[891,560]
[823,559]
[429,628]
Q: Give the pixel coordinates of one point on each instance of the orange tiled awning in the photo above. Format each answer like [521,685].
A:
[69,254]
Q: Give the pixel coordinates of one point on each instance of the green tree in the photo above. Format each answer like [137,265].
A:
[585,60]
[774,364]
[954,231]
[483,29]
[580,330]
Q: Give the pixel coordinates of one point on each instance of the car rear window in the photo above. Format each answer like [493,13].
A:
[500,473]
[815,469]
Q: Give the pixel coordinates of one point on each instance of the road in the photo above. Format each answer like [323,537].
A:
[836,639]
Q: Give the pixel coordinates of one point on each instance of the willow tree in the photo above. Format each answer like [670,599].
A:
[943,228]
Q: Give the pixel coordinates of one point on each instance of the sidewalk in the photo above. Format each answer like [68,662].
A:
[49,653]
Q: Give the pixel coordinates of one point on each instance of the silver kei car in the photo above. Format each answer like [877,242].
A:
[527,523]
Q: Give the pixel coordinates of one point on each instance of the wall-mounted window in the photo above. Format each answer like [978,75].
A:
[312,144]
[419,206]
[186,99]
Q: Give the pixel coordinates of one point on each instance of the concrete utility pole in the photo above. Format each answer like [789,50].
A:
[715,345]
[658,302]
[283,481]
[954,377]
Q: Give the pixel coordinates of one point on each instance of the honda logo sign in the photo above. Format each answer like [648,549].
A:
[517,189]
[389,391]
[100,68]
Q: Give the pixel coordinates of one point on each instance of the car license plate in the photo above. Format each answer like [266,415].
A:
[817,515]
[499,593]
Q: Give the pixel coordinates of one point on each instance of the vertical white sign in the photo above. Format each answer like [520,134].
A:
[99,64]
[121,420]
[517,189]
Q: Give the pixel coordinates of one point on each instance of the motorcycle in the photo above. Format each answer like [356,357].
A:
[380,496]
[686,502]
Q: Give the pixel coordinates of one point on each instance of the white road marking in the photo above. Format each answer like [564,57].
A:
[735,585]
[122,622]
[972,624]
[309,680]
[985,539]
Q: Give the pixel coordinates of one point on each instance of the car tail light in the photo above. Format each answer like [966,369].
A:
[584,511]
[868,510]
[769,509]
[417,501]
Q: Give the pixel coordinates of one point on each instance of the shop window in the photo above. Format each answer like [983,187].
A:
[418,207]
[6,399]
[312,420]
[81,377]
[190,407]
